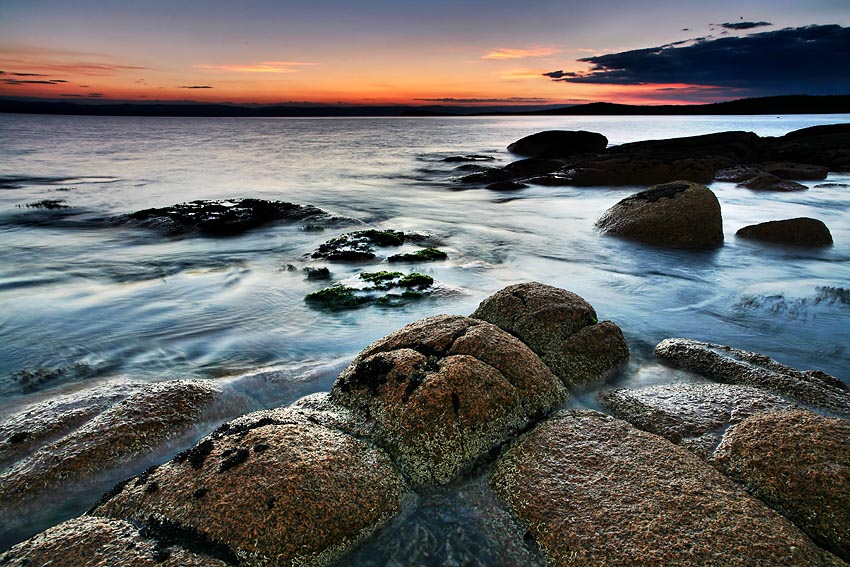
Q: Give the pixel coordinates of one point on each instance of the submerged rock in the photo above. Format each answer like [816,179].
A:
[801,231]
[444,391]
[423,255]
[506,186]
[226,217]
[268,488]
[676,215]
[313,273]
[732,366]
[768,182]
[559,143]
[799,463]
[358,246]
[99,542]
[692,415]
[560,327]
[382,288]
[120,437]
[593,490]
[468,157]
[805,171]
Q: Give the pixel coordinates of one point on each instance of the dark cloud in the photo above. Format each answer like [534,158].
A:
[737,26]
[807,60]
[90,95]
[27,75]
[28,82]
[474,100]
[559,74]
[195,87]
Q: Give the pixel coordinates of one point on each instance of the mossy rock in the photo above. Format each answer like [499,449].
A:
[339,297]
[358,246]
[424,255]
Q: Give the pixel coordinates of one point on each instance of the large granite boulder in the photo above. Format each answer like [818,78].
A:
[692,415]
[638,170]
[676,215]
[724,147]
[801,231]
[799,463]
[158,418]
[559,143]
[821,145]
[446,390]
[561,327]
[102,542]
[733,366]
[280,489]
[593,490]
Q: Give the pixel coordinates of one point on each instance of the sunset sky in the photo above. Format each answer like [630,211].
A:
[423,52]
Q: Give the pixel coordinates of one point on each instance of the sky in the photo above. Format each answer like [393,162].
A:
[423,52]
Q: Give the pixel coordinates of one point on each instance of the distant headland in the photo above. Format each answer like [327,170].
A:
[789,104]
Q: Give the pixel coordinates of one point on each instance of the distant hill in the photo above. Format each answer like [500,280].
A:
[791,104]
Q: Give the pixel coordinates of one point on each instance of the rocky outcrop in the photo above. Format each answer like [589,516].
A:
[692,415]
[733,366]
[593,490]
[280,488]
[804,171]
[444,391]
[101,542]
[123,436]
[676,215]
[225,218]
[801,231]
[559,143]
[799,463]
[639,170]
[561,327]
[729,148]
[767,182]
[821,145]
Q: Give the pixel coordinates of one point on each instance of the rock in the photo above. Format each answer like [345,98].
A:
[820,145]
[531,167]
[723,147]
[358,246]
[805,171]
[692,415]
[676,215]
[317,273]
[225,218]
[506,186]
[382,288]
[630,170]
[102,542]
[560,327]
[832,185]
[801,231]
[593,490]
[799,463]
[444,391]
[471,157]
[768,182]
[282,488]
[122,437]
[423,255]
[738,173]
[732,366]
[559,143]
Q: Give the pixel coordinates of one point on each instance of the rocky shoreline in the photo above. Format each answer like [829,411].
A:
[747,465]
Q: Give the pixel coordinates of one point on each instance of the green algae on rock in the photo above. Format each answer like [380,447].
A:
[425,255]
[359,245]
[340,297]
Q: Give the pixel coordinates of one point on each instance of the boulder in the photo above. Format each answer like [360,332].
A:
[764,181]
[805,171]
[506,186]
[559,143]
[692,415]
[279,487]
[226,217]
[799,463]
[675,215]
[561,327]
[100,542]
[638,170]
[821,145]
[593,490]
[724,147]
[733,366]
[801,231]
[158,418]
[738,173]
[444,391]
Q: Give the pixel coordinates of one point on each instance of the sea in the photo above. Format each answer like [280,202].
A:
[83,302]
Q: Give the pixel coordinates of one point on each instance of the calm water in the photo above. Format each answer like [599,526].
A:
[90,303]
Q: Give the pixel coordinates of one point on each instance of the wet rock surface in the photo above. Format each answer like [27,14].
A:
[820,145]
[391,289]
[799,463]
[561,327]
[767,182]
[121,436]
[804,171]
[677,215]
[226,217]
[637,170]
[275,488]
[359,246]
[801,231]
[444,391]
[692,415]
[593,490]
[559,143]
[101,542]
[733,366]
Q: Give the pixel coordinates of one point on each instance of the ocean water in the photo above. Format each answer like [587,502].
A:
[82,303]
